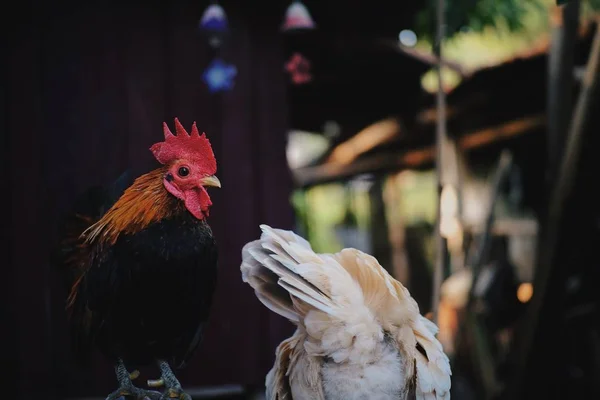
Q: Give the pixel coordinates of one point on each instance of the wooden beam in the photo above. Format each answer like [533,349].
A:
[313,175]
[428,116]
[427,58]
[509,226]
[374,135]
[505,131]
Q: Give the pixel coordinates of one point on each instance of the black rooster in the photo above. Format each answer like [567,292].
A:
[141,262]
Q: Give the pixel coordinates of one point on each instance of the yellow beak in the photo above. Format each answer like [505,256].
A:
[211,181]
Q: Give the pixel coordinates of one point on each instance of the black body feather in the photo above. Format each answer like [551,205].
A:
[148,295]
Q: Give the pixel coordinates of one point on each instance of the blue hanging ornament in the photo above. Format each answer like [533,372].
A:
[297,17]
[214,24]
[219,76]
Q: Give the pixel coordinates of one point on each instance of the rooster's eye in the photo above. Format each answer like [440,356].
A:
[183,171]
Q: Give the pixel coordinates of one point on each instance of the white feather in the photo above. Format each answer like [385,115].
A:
[342,304]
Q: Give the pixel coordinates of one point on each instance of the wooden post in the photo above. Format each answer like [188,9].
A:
[461,177]
[441,246]
[546,253]
[380,241]
[396,232]
[564,22]
[483,245]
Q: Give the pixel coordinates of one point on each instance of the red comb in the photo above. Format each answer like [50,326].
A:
[193,147]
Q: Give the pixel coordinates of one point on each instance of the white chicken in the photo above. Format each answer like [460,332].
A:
[359,332]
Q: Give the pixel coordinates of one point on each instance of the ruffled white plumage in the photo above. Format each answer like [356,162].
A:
[346,307]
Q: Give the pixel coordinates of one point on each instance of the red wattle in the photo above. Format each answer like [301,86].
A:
[197,202]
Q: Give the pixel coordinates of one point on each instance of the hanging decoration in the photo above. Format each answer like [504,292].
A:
[219,76]
[214,23]
[299,69]
[297,17]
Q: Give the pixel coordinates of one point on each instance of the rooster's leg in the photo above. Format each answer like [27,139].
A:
[168,379]
[126,389]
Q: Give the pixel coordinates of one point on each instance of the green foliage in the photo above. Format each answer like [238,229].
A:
[322,208]
[497,42]
[476,15]
[416,200]
[593,4]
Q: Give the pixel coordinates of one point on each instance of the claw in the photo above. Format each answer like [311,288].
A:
[119,394]
[126,388]
[134,375]
[154,383]
[134,393]
[176,394]
[172,386]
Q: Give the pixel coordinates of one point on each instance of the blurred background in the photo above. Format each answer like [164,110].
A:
[474,187]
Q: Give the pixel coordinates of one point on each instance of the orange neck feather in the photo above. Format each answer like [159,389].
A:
[144,202]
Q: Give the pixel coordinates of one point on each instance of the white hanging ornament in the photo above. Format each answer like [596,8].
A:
[214,23]
[297,17]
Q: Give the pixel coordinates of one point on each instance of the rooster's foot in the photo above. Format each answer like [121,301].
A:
[133,393]
[172,386]
[127,390]
[178,394]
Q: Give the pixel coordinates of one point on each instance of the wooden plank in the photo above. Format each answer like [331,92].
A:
[508,226]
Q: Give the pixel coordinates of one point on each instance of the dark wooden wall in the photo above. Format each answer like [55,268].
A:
[87,86]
